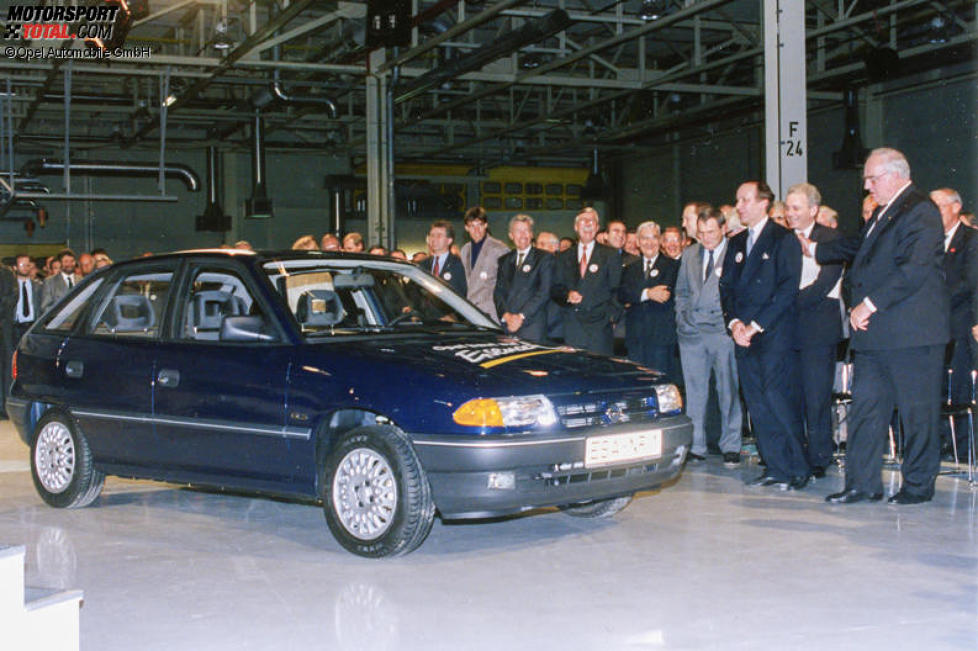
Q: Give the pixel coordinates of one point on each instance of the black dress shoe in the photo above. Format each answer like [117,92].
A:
[731,459]
[818,472]
[692,456]
[903,497]
[798,483]
[764,480]
[851,496]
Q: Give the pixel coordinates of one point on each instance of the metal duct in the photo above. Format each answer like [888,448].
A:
[213,218]
[532,32]
[280,94]
[95,168]
[259,205]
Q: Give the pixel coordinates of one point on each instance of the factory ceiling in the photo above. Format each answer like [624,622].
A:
[481,82]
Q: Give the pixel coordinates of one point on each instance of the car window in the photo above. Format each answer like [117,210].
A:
[214,296]
[65,319]
[134,308]
[336,297]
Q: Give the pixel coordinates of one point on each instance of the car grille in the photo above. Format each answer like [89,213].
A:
[577,476]
[595,410]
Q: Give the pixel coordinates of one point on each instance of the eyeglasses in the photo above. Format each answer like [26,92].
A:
[875,177]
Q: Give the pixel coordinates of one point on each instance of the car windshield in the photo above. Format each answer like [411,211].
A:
[329,297]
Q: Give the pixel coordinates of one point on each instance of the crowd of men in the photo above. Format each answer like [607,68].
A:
[742,305]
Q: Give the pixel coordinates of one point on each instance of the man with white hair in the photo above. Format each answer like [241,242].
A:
[900,328]
[586,283]
[961,276]
[523,279]
[648,285]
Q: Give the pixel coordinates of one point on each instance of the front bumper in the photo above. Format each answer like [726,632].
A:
[548,469]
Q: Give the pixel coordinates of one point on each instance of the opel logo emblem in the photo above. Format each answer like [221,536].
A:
[614,413]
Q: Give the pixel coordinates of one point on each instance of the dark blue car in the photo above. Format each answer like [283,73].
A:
[360,381]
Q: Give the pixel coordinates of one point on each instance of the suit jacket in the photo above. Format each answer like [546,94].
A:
[452,273]
[481,279]
[649,319]
[899,266]
[698,309]
[54,289]
[961,276]
[8,301]
[762,287]
[819,318]
[599,286]
[525,290]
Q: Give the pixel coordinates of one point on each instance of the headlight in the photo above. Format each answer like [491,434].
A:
[670,400]
[520,411]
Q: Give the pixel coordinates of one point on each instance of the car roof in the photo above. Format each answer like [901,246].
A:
[264,255]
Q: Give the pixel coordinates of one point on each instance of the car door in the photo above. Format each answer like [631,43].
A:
[219,405]
[106,367]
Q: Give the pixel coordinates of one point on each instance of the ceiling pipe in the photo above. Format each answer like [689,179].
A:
[532,32]
[103,168]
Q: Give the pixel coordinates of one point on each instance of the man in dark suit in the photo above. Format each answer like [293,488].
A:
[442,262]
[758,288]
[900,328]
[819,320]
[961,276]
[57,285]
[586,282]
[648,285]
[523,281]
[8,340]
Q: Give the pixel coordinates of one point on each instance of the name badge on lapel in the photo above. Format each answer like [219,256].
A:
[765,256]
[447,275]
[653,273]
[740,257]
[526,268]
[593,268]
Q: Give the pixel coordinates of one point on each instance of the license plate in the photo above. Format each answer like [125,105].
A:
[619,448]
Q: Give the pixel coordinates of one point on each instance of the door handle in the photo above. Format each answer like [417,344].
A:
[75,368]
[168,378]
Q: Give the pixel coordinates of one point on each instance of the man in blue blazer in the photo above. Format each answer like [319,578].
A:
[819,320]
[758,288]
[442,262]
[648,285]
[586,283]
[900,328]
[523,280]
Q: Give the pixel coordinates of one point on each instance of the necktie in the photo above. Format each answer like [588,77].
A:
[872,221]
[25,308]
[648,268]
[435,269]
[583,262]
[709,267]
[70,283]
[519,260]
[750,240]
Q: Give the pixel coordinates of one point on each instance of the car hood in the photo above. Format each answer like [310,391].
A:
[490,364]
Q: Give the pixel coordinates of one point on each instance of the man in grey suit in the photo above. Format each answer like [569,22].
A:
[480,258]
[704,346]
[58,285]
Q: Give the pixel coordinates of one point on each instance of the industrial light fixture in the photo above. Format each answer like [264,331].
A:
[222,40]
[653,9]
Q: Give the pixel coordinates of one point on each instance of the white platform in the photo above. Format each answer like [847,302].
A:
[35,619]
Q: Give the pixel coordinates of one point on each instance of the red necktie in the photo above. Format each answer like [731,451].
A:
[583,262]
[435,269]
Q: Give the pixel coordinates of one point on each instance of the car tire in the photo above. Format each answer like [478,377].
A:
[61,463]
[598,508]
[376,497]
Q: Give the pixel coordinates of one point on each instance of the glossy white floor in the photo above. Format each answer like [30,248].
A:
[706,563]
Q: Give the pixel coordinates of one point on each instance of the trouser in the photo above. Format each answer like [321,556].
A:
[702,356]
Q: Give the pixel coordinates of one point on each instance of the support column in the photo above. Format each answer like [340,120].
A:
[379,210]
[785,85]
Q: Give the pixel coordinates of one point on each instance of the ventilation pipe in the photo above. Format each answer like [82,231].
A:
[259,206]
[105,168]
[213,218]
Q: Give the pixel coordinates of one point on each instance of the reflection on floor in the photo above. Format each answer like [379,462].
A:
[707,563]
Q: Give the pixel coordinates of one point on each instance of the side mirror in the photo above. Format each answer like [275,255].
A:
[244,328]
